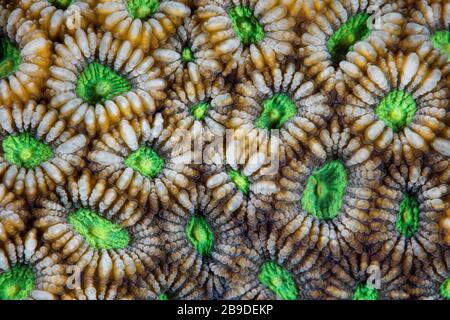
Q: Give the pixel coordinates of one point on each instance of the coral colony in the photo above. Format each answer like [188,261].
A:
[224,149]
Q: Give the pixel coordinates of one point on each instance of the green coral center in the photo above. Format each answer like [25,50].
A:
[397,109]
[365,292]
[279,280]
[102,88]
[276,111]
[145,161]
[200,234]
[25,151]
[142,9]
[343,39]
[16,283]
[61,4]
[441,40]
[187,55]
[241,181]
[98,83]
[99,232]
[200,110]
[444,289]
[408,216]
[245,25]
[10,58]
[163,296]
[325,189]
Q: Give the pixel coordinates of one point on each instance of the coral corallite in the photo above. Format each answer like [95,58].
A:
[16,283]
[278,280]
[98,232]
[324,190]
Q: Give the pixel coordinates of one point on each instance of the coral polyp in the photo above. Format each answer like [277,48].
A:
[16,283]
[186,51]
[25,52]
[441,40]
[200,110]
[25,151]
[10,58]
[405,219]
[427,30]
[277,106]
[365,292]
[393,107]
[197,113]
[145,23]
[101,235]
[145,161]
[240,181]
[242,189]
[203,243]
[243,32]
[98,232]
[38,151]
[444,289]
[408,216]
[30,270]
[142,9]
[396,109]
[342,29]
[58,17]
[328,190]
[200,234]
[276,111]
[278,280]
[144,166]
[98,85]
[344,38]
[245,25]
[325,190]
[278,267]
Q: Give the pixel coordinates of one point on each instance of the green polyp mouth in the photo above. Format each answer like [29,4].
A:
[241,181]
[200,234]
[61,4]
[98,83]
[99,232]
[163,296]
[200,110]
[102,88]
[441,40]
[279,280]
[365,292]
[10,58]
[187,55]
[444,289]
[397,109]
[145,161]
[342,40]
[16,283]
[245,25]
[408,216]
[277,110]
[325,189]
[142,9]
[25,151]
